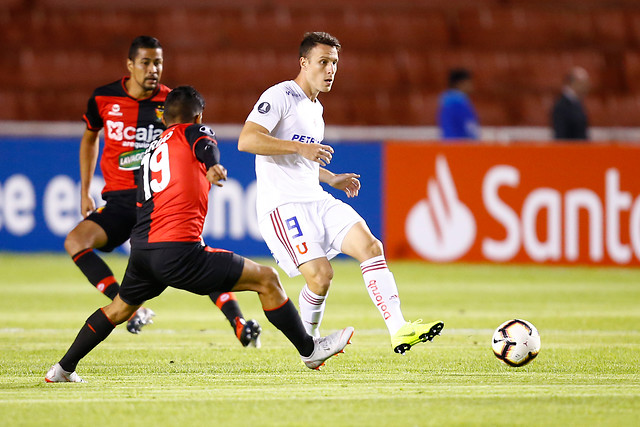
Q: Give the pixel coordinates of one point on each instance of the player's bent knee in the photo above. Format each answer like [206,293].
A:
[119,312]
[371,249]
[72,243]
[79,239]
[321,278]
[376,248]
[270,281]
[270,277]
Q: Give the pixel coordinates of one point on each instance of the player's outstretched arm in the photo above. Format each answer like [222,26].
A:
[347,182]
[255,139]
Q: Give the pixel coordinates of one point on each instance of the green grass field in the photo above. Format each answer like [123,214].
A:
[187,369]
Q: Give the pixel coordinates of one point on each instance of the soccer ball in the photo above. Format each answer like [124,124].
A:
[516,342]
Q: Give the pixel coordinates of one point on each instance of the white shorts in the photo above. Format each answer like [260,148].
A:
[299,232]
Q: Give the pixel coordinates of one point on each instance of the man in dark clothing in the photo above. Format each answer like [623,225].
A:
[569,119]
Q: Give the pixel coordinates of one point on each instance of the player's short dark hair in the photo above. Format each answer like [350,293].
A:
[458,75]
[310,40]
[143,42]
[183,104]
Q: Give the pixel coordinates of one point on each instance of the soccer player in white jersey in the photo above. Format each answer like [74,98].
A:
[303,225]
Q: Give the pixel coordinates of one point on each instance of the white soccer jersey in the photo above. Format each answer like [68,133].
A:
[287,113]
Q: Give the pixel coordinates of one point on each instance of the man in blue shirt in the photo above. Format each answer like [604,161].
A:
[457,119]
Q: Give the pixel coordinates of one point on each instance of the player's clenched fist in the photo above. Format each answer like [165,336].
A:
[319,153]
[217,173]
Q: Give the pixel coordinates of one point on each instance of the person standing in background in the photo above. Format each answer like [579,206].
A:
[457,119]
[568,117]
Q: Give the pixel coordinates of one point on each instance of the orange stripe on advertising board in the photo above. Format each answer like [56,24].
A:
[525,203]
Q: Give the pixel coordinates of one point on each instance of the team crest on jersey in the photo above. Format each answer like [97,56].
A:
[159,113]
[264,108]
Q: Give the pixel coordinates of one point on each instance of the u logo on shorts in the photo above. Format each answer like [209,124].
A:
[304,244]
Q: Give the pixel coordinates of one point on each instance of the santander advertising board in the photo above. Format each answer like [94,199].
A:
[529,203]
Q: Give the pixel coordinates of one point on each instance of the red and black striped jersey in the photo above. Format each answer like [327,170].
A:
[173,191]
[130,125]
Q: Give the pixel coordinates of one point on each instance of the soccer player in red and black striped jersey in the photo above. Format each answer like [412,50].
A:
[130,110]
[176,174]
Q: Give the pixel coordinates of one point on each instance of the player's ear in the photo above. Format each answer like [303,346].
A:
[303,62]
[130,65]
[198,119]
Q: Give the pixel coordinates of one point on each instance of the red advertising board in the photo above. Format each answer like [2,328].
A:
[542,203]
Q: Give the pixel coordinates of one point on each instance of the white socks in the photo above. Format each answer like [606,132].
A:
[383,291]
[311,310]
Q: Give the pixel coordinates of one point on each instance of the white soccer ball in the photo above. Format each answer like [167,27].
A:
[516,342]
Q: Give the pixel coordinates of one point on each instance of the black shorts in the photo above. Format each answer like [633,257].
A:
[188,266]
[116,218]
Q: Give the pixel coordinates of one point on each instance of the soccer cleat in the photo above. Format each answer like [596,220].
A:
[328,346]
[412,333]
[58,375]
[248,332]
[140,318]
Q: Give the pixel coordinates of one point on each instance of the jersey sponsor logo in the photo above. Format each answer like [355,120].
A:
[441,227]
[115,110]
[132,136]
[304,138]
[264,107]
[159,113]
[131,159]
[379,299]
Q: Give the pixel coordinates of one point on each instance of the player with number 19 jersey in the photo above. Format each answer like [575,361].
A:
[173,191]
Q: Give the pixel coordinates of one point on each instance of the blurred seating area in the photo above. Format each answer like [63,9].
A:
[394,61]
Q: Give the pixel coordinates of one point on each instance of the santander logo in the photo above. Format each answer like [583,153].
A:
[511,211]
[441,227]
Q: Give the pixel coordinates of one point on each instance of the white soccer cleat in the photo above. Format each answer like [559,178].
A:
[328,346]
[58,375]
[140,318]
